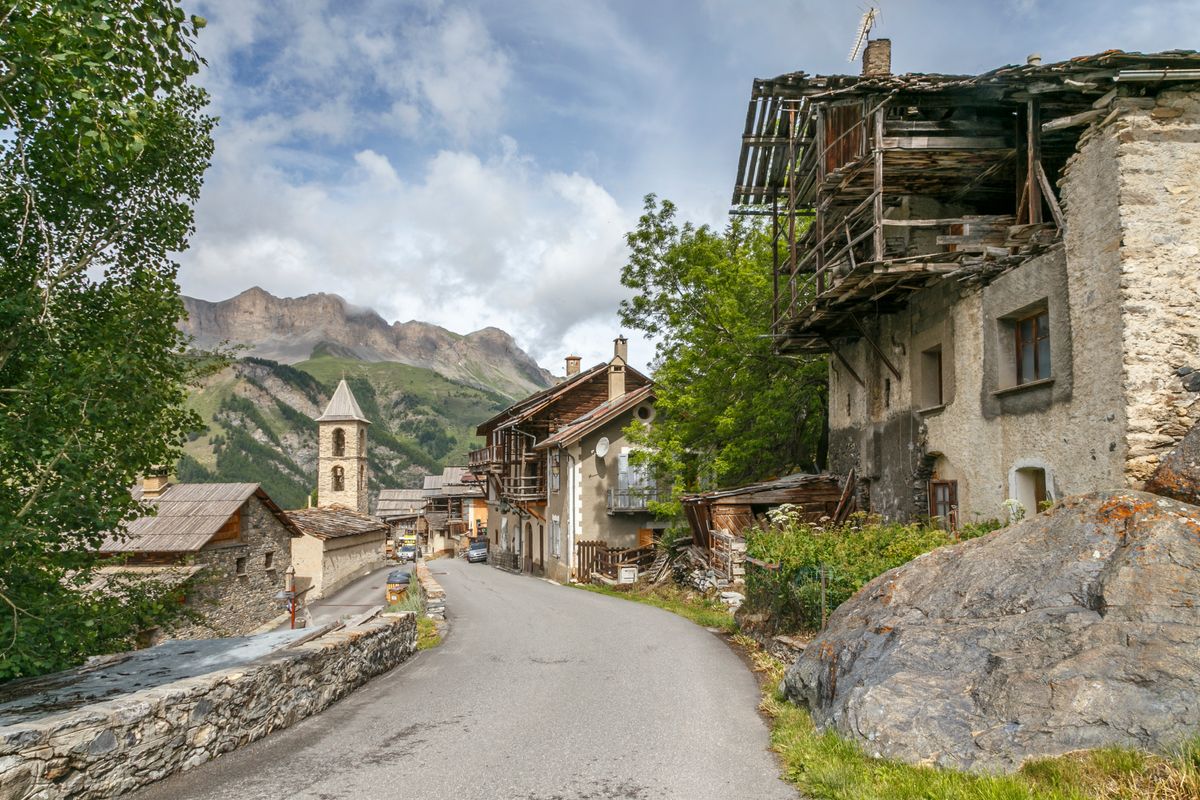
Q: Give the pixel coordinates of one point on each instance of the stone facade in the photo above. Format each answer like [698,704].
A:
[1120,292]
[109,748]
[352,463]
[236,591]
[327,565]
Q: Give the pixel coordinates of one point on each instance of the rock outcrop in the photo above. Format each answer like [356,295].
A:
[1077,628]
[287,330]
[1178,474]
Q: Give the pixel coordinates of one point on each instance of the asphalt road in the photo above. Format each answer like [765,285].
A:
[540,692]
[354,599]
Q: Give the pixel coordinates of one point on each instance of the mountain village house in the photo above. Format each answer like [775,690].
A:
[995,265]
[558,471]
[340,541]
[404,511]
[455,508]
[226,544]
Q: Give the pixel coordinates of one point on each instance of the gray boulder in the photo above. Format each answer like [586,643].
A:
[1076,628]
[1178,474]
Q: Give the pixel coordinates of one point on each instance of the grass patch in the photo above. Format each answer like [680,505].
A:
[706,611]
[824,766]
[427,633]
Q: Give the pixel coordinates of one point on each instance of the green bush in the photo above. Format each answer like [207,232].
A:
[847,557]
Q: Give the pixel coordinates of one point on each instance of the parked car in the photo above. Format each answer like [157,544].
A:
[477,551]
[407,553]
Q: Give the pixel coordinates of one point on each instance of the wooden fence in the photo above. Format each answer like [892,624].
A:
[597,558]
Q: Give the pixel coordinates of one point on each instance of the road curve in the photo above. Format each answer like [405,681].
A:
[540,692]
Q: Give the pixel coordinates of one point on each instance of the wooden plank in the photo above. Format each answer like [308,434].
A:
[1051,200]
[1033,153]
[944,143]
[1081,118]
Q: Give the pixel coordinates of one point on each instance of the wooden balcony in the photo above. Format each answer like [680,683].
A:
[523,488]
[485,459]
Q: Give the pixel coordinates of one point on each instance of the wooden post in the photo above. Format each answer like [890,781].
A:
[1033,154]
[879,183]
[775,261]
[793,174]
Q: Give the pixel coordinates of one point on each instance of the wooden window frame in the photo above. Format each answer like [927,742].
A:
[1038,337]
[952,516]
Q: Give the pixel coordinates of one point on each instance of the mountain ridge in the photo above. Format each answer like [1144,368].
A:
[289,329]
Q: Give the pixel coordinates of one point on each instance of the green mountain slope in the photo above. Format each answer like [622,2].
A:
[259,422]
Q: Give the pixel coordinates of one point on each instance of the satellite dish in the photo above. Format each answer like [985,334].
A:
[602,446]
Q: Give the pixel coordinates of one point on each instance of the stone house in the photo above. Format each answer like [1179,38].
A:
[1000,267]
[228,545]
[551,483]
[338,545]
[340,541]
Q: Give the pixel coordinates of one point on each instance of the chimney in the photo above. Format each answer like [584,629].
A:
[877,58]
[573,365]
[621,348]
[616,368]
[155,482]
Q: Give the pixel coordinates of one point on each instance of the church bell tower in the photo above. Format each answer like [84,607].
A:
[342,453]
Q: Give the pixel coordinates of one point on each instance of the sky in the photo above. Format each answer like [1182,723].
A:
[475,164]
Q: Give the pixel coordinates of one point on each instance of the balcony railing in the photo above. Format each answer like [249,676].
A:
[631,499]
[484,458]
[528,487]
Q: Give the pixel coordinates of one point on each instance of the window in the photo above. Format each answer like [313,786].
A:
[362,476]
[240,566]
[555,537]
[932,392]
[362,442]
[1032,336]
[339,479]
[269,560]
[943,503]
[339,442]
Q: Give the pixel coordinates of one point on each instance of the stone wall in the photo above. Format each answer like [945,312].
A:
[435,595]
[231,604]
[109,748]
[330,564]
[1156,145]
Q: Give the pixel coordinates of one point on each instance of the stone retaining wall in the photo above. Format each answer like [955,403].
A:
[106,749]
[435,595]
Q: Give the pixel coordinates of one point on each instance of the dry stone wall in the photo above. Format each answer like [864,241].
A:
[109,748]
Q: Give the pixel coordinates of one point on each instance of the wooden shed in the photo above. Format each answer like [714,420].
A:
[732,511]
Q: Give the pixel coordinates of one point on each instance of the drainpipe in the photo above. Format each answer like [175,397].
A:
[570,513]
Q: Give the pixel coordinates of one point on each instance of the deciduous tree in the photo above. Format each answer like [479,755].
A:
[730,409]
[103,144]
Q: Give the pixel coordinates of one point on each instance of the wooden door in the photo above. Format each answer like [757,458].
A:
[645,537]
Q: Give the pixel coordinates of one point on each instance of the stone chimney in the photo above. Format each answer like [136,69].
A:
[616,368]
[877,58]
[573,365]
[155,482]
[621,348]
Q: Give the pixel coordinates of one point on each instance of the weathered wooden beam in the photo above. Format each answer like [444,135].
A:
[945,143]
[1051,200]
[842,360]
[878,351]
[1082,118]
[1033,154]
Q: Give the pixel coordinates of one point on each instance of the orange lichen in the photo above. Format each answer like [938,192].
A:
[1120,509]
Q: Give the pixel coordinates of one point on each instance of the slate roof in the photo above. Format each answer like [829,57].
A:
[400,502]
[167,575]
[582,425]
[335,522]
[459,482]
[343,406]
[188,515]
[432,487]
